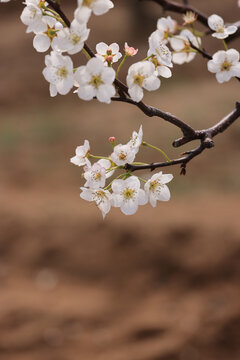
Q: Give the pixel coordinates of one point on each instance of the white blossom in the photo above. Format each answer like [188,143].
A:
[32,17]
[181,44]
[156,188]
[81,157]
[72,39]
[43,41]
[166,26]
[108,53]
[86,7]
[123,154]
[127,195]
[59,73]
[141,75]
[95,176]
[216,23]
[95,80]
[136,140]
[225,64]
[101,197]
[4,1]
[159,49]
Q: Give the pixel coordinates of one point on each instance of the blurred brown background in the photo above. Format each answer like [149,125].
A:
[160,285]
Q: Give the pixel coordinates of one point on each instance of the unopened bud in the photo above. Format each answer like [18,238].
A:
[112,139]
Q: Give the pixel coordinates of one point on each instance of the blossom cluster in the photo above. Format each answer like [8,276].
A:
[125,190]
[169,44]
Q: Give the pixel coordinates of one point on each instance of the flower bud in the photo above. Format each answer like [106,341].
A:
[130,51]
[112,139]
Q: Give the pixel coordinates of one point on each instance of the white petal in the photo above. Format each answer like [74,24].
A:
[164,71]
[105,93]
[151,83]
[86,92]
[180,58]
[213,67]
[166,178]
[41,42]
[101,48]
[136,93]
[142,197]
[164,194]
[232,56]
[95,66]
[129,207]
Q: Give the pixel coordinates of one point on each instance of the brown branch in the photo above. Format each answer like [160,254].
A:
[168,5]
[206,143]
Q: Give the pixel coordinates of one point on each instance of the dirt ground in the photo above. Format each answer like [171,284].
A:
[160,285]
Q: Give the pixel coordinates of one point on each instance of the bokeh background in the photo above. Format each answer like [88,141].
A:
[160,285]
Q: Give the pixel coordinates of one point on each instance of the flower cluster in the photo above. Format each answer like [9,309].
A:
[125,190]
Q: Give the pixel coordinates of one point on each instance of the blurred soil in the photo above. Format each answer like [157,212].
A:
[160,285]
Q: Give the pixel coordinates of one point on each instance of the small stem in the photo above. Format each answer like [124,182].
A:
[121,64]
[225,44]
[138,163]
[144,181]
[97,157]
[86,53]
[148,57]
[156,148]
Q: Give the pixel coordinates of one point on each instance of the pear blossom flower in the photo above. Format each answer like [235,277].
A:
[225,64]
[72,39]
[123,154]
[130,51]
[166,26]
[81,157]
[182,45]
[43,41]
[95,176]
[4,1]
[108,53]
[156,188]
[32,16]
[101,197]
[141,75]
[59,73]
[136,140]
[127,195]
[159,49]
[216,23]
[95,80]
[86,7]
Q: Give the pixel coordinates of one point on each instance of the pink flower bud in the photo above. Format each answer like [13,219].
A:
[130,51]
[112,139]
[109,59]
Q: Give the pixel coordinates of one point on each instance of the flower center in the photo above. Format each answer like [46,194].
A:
[88,3]
[122,156]
[129,193]
[96,81]
[99,196]
[97,176]
[75,39]
[51,33]
[225,66]
[138,79]
[62,72]
[155,186]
